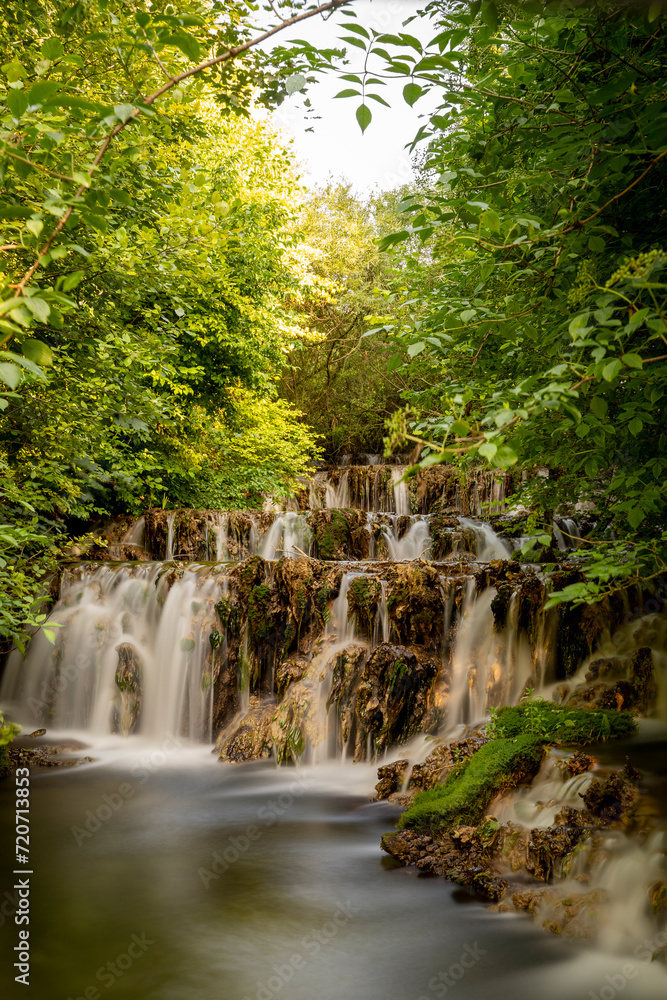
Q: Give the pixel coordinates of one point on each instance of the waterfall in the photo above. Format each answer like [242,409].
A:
[289,535]
[488,668]
[169,553]
[122,641]
[415,544]
[488,545]
[400,492]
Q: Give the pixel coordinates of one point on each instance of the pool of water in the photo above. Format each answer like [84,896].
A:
[161,874]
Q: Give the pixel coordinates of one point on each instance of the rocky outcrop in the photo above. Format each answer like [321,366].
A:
[128,682]
[392,697]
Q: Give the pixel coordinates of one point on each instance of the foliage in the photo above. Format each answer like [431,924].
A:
[8,731]
[341,380]
[535,314]
[558,724]
[146,268]
[470,786]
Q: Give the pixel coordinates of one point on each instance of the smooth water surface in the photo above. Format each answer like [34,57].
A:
[302,904]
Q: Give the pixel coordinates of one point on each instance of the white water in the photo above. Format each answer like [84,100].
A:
[415,543]
[488,668]
[73,685]
[289,535]
[488,545]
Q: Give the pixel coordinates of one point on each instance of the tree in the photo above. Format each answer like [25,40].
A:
[537,314]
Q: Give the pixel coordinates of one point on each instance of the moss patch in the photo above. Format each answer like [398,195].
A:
[465,795]
[363,599]
[559,724]
[259,620]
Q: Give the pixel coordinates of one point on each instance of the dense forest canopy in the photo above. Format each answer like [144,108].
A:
[183,324]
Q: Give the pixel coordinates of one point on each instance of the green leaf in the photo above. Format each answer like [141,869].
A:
[491,221]
[610,371]
[505,456]
[596,244]
[635,426]
[295,83]
[632,360]
[39,308]
[599,407]
[41,91]
[490,15]
[415,349]
[52,48]
[38,352]
[348,93]
[188,45]
[34,226]
[72,280]
[654,11]
[17,102]
[10,374]
[635,517]
[411,93]
[488,450]
[124,111]
[364,116]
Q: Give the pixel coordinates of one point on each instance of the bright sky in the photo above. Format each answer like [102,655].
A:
[335,145]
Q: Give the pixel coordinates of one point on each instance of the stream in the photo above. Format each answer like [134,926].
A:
[298,904]
[341,633]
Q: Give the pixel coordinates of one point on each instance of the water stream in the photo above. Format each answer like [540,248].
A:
[252,881]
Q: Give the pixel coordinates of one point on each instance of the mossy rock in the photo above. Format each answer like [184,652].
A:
[363,599]
[260,621]
[462,800]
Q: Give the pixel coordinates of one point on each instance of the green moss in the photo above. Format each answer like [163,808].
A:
[363,598]
[5,762]
[215,639]
[230,616]
[259,620]
[333,535]
[398,671]
[558,724]
[465,795]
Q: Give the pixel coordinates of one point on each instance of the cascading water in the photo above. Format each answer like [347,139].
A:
[313,660]
[130,656]
[289,535]
[488,544]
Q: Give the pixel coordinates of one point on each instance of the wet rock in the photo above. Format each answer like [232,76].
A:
[578,763]
[392,697]
[415,604]
[300,719]
[37,732]
[490,887]
[289,671]
[642,678]
[391,778]
[609,800]
[657,895]
[345,669]
[340,534]
[128,682]
[250,737]
[363,600]
[548,847]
